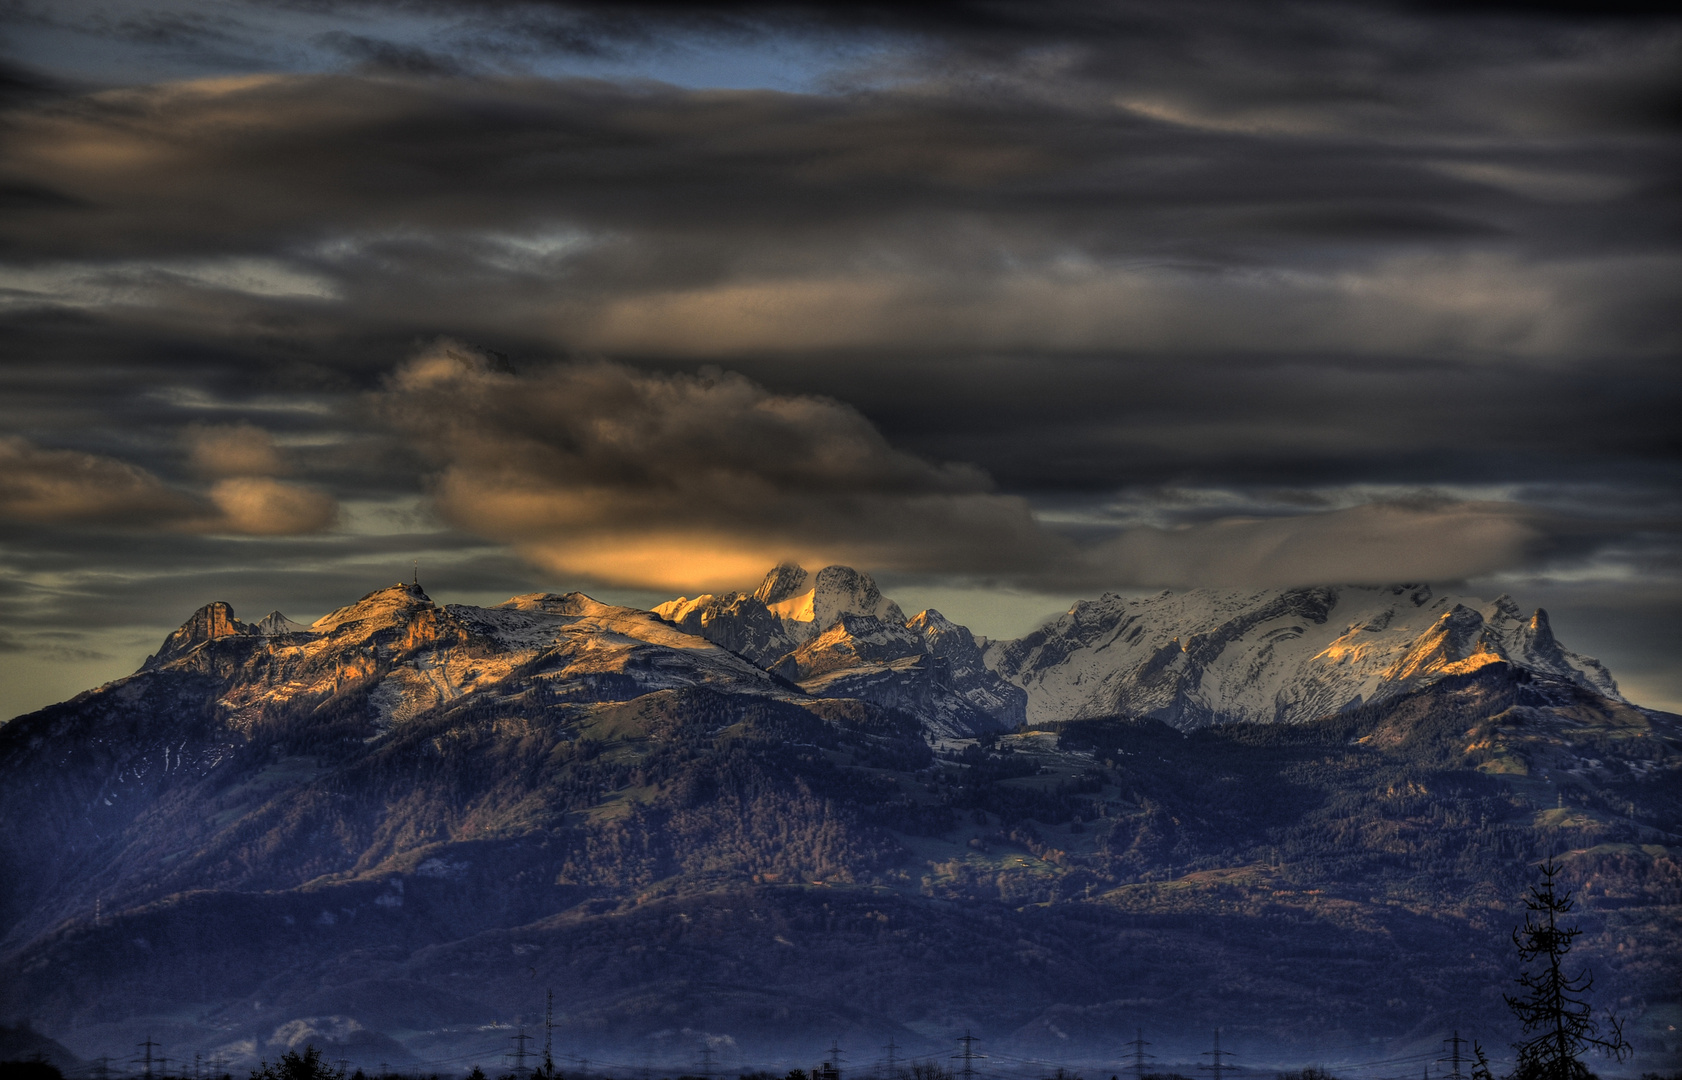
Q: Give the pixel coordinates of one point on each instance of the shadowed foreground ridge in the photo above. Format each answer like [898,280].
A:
[388,833]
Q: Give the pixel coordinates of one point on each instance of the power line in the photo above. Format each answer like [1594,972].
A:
[1138,1044]
[147,1047]
[890,1048]
[1217,1054]
[519,1042]
[1454,1056]
[968,1054]
[548,1037]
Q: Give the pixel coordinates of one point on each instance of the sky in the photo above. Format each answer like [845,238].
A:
[1007,303]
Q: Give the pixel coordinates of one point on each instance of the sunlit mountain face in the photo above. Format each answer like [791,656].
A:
[392,832]
[1081,524]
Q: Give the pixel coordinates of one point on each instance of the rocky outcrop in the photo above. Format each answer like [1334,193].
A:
[809,604]
[969,675]
[873,659]
[738,621]
[214,620]
[835,634]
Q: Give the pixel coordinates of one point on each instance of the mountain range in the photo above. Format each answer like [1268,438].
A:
[760,821]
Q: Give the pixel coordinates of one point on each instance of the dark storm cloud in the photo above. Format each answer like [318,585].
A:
[1083,424]
[597,470]
[1189,293]
[377,56]
[657,222]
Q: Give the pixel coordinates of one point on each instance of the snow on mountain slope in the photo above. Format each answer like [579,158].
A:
[412,655]
[573,646]
[918,685]
[877,660]
[1188,658]
[274,623]
[737,621]
[1210,655]
[809,604]
[836,635]
[969,674]
[790,606]
[853,641]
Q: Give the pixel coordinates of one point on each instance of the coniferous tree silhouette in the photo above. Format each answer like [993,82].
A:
[295,1066]
[1553,1006]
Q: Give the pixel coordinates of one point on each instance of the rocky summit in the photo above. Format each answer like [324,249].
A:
[763,821]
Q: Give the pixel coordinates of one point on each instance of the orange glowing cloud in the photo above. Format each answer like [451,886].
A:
[67,487]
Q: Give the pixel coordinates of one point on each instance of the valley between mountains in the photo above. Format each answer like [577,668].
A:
[763,821]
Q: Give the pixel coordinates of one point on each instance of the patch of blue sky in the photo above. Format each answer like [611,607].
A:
[117,43]
[783,63]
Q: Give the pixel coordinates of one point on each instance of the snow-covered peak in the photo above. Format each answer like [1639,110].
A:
[833,591]
[683,607]
[543,620]
[1205,655]
[852,641]
[274,623]
[781,582]
[1453,645]
[409,655]
[943,637]
[572,603]
[381,608]
[737,621]
[930,622]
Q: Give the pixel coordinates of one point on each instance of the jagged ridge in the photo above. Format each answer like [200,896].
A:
[836,635]
[1278,655]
